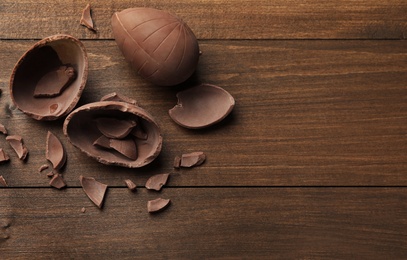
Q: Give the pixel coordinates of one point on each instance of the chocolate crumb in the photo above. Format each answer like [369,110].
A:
[130,185]
[3,181]
[157,181]
[3,156]
[157,205]
[93,189]
[51,174]
[16,142]
[177,162]
[86,19]
[3,129]
[57,181]
[43,167]
[83,209]
[192,159]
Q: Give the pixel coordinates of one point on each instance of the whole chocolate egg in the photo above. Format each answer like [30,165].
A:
[159,45]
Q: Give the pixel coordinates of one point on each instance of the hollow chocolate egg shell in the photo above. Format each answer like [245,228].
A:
[82,132]
[202,106]
[44,62]
[159,45]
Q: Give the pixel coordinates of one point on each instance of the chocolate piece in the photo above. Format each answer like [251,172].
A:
[57,181]
[3,156]
[139,133]
[192,159]
[93,189]
[159,45]
[82,132]
[43,167]
[102,142]
[117,97]
[3,129]
[114,128]
[86,19]
[3,181]
[156,182]
[51,174]
[177,162]
[44,56]
[55,81]
[157,205]
[126,147]
[130,185]
[16,142]
[83,209]
[202,106]
[55,152]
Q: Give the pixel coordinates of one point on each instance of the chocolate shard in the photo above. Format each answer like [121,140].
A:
[130,184]
[50,174]
[3,129]
[43,167]
[57,181]
[156,182]
[114,128]
[157,205]
[93,189]
[139,133]
[55,81]
[3,181]
[83,209]
[117,97]
[3,156]
[55,152]
[177,162]
[126,147]
[86,18]
[192,159]
[102,142]
[16,142]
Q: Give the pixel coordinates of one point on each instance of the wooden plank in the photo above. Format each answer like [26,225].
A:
[307,113]
[253,223]
[217,19]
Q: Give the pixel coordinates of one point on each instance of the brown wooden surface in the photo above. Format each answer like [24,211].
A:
[310,164]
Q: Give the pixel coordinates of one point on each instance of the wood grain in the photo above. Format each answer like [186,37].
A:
[251,223]
[217,19]
[307,113]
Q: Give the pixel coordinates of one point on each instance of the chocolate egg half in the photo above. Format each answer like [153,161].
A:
[114,133]
[48,80]
[159,45]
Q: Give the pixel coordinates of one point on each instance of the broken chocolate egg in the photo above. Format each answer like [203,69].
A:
[118,149]
[202,106]
[159,45]
[49,78]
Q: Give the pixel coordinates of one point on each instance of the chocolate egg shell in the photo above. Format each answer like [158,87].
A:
[82,132]
[159,45]
[44,56]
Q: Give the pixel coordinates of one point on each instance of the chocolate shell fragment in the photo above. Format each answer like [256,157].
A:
[156,182]
[202,106]
[118,97]
[3,156]
[102,142]
[192,159]
[157,205]
[43,167]
[55,81]
[55,152]
[3,129]
[57,181]
[114,128]
[3,181]
[126,147]
[159,45]
[16,142]
[130,185]
[177,162]
[93,189]
[86,19]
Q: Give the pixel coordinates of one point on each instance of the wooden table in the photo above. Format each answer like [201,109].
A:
[311,163]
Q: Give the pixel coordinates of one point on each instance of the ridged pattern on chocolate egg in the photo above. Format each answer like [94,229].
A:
[159,45]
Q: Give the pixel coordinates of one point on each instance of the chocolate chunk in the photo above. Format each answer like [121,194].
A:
[3,129]
[177,162]
[117,97]
[43,167]
[202,106]
[16,142]
[57,181]
[192,159]
[55,152]
[130,185]
[126,147]
[139,133]
[3,156]
[157,205]
[114,128]
[156,182]
[93,189]
[86,19]
[55,81]
[3,181]
[102,142]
